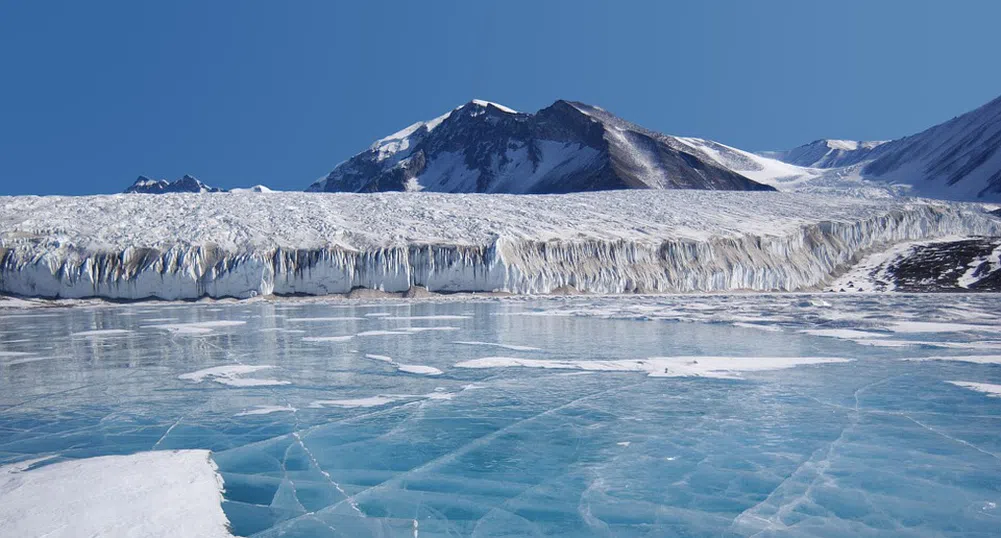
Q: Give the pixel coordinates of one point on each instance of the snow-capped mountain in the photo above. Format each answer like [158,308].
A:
[959,159]
[145,185]
[483,147]
[826,153]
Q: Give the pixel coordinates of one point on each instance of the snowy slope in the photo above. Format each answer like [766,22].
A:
[826,153]
[959,159]
[567,147]
[245,244]
[778,174]
[956,160]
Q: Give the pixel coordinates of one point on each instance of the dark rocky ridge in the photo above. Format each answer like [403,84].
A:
[940,267]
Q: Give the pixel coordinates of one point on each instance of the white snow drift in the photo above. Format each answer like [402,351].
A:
[180,246]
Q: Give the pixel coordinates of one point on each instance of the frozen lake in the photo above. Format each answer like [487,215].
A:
[768,415]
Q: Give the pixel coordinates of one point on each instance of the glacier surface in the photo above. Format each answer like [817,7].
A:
[182,246]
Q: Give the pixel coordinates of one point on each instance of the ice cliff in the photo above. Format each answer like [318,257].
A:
[183,246]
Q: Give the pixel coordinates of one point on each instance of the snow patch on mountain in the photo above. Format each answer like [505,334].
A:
[827,153]
[500,107]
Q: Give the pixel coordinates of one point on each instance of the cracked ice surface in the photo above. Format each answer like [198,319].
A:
[570,435]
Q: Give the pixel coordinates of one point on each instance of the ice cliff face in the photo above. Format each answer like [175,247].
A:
[145,185]
[483,147]
[242,244]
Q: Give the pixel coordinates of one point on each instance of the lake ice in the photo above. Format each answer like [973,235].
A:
[713,415]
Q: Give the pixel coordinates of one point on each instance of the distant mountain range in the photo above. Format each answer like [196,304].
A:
[959,159]
[485,147]
[145,185]
[826,153]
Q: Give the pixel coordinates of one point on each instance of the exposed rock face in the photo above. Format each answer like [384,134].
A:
[968,265]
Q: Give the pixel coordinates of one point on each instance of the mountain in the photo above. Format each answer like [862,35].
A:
[145,185]
[826,153]
[959,159]
[483,147]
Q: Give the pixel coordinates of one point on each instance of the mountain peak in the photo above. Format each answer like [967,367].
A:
[487,104]
[569,146]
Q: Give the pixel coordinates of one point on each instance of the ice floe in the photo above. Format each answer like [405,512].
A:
[370,401]
[993,391]
[267,410]
[102,332]
[232,375]
[321,320]
[938,327]
[976,359]
[202,327]
[758,326]
[512,347]
[417,369]
[342,338]
[429,329]
[716,367]
[383,333]
[438,318]
[847,334]
[382,399]
[148,495]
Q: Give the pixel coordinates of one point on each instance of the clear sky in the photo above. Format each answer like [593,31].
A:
[92,94]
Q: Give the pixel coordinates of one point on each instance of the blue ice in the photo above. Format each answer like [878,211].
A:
[318,431]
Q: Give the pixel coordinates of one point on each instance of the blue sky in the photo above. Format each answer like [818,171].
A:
[237,93]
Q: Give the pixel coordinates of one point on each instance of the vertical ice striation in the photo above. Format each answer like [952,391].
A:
[317,244]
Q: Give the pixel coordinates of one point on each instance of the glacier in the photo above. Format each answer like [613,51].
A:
[186,246]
